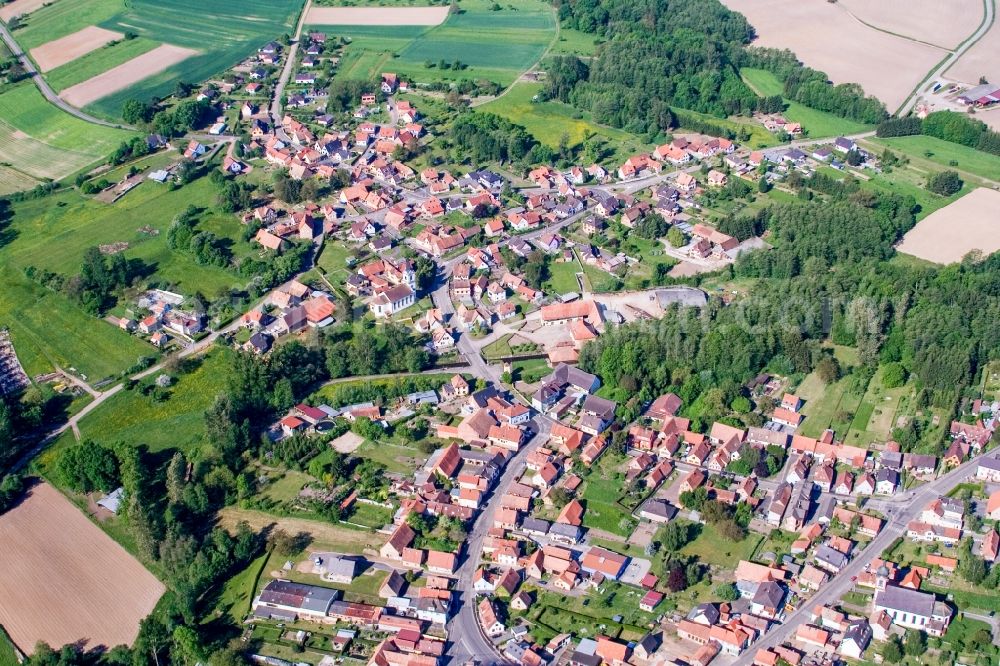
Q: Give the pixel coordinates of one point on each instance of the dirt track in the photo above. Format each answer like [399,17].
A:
[66,49]
[377,15]
[126,74]
[948,234]
[63,580]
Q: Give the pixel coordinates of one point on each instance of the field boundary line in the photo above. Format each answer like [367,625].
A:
[534,66]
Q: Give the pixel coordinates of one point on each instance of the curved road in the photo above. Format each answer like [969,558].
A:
[945,65]
[45,89]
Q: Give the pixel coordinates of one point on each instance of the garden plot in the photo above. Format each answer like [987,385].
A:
[127,74]
[66,49]
[948,234]
[63,580]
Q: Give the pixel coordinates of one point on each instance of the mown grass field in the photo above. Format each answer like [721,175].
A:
[12,180]
[96,62]
[817,124]
[40,140]
[175,423]
[494,45]
[932,153]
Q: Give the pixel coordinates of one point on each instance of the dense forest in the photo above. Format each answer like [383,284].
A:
[661,55]
[826,278]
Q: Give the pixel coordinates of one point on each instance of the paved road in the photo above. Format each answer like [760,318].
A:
[44,87]
[286,72]
[468,642]
[895,527]
[946,64]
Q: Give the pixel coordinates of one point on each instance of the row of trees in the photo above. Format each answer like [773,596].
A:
[947,126]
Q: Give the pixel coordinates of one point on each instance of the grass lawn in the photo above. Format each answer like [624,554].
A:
[42,141]
[287,486]
[237,594]
[876,417]
[592,613]
[370,515]
[712,549]
[942,153]
[494,45]
[54,232]
[551,122]
[498,348]
[176,423]
[530,370]
[97,62]
[816,124]
[603,487]
[396,458]
[562,279]
[910,180]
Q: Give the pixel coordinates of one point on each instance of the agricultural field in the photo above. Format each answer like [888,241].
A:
[127,74]
[60,51]
[944,24]
[96,62]
[553,122]
[819,33]
[817,124]
[981,59]
[950,233]
[237,30]
[494,45]
[931,152]
[39,140]
[64,580]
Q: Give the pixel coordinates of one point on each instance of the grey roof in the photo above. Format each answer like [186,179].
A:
[567,531]
[660,508]
[585,659]
[112,502]
[769,595]
[891,459]
[990,462]
[709,611]
[860,632]
[536,525]
[831,556]
[919,460]
[601,407]
[688,296]
[298,595]
[568,374]
[886,474]
[906,600]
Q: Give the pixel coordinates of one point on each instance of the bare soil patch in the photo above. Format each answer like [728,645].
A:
[377,15]
[20,8]
[945,23]
[983,59]
[347,443]
[827,38]
[126,74]
[948,234]
[63,580]
[66,49]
